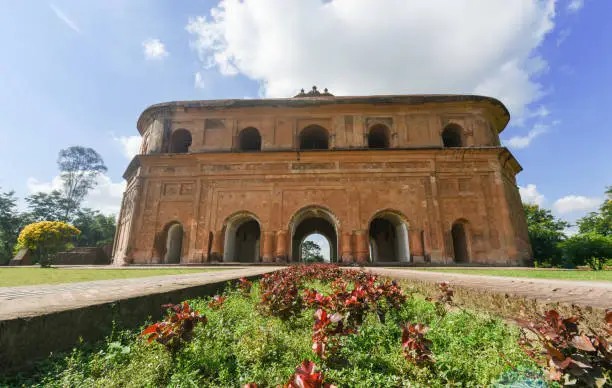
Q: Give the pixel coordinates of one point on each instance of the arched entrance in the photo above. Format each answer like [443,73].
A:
[460,242]
[180,141]
[388,235]
[452,136]
[309,221]
[242,239]
[249,139]
[315,248]
[169,243]
[378,136]
[314,137]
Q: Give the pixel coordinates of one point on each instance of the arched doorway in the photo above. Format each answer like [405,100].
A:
[242,239]
[249,139]
[311,221]
[171,244]
[388,235]
[378,136]
[460,242]
[452,136]
[180,141]
[315,248]
[314,137]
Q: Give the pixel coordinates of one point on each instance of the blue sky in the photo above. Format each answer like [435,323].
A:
[81,72]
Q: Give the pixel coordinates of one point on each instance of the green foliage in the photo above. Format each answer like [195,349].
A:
[545,233]
[47,207]
[588,249]
[95,227]
[9,225]
[239,345]
[79,168]
[599,222]
[311,252]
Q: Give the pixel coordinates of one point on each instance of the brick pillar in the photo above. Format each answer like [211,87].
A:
[268,247]
[216,252]
[347,248]
[416,245]
[362,248]
[281,246]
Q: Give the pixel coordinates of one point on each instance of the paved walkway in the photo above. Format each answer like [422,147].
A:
[27,301]
[584,293]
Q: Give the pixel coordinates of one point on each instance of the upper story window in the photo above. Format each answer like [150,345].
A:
[452,136]
[314,137]
[378,136]
[249,139]
[180,141]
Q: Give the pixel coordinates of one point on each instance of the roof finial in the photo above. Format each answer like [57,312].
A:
[314,93]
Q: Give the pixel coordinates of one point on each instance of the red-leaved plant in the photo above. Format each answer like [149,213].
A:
[245,286]
[416,346]
[306,377]
[217,302]
[326,334]
[571,356]
[176,329]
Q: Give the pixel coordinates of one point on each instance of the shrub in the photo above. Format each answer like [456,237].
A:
[177,328]
[46,238]
[570,355]
[587,249]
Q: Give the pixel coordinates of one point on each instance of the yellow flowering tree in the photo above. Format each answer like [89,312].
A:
[46,238]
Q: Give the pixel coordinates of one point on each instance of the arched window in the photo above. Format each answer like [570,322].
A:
[452,136]
[378,137]
[314,137]
[180,141]
[460,243]
[249,139]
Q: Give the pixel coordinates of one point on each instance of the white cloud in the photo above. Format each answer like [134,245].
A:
[524,141]
[360,47]
[573,203]
[105,197]
[541,111]
[575,5]
[62,16]
[154,49]
[563,34]
[199,82]
[530,194]
[130,145]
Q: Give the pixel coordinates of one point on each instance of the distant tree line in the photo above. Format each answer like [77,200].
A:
[79,169]
[591,245]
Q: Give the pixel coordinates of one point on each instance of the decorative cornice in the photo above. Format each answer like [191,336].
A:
[495,108]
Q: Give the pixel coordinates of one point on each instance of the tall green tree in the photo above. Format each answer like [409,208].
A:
[311,252]
[96,228]
[599,222]
[10,222]
[79,169]
[46,207]
[545,233]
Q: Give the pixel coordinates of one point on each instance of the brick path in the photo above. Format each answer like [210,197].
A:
[584,293]
[26,301]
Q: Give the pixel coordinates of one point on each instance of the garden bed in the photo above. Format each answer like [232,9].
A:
[309,325]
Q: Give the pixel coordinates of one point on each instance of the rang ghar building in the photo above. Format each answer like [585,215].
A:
[401,179]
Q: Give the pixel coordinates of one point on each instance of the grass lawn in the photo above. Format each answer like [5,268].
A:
[262,336]
[531,273]
[10,277]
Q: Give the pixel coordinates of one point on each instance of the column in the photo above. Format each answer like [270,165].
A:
[347,248]
[281,246]
[416,245]
[362,251]
[216,252]
[268,247]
